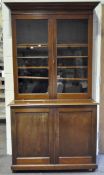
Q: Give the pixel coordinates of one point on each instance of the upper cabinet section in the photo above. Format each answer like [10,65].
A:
[52,50]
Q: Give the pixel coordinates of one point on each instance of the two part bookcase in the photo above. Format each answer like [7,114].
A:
[53,116]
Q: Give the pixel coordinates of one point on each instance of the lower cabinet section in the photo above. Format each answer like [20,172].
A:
[53,137]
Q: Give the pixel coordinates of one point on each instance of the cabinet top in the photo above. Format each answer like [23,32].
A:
[42,103]
[18,6]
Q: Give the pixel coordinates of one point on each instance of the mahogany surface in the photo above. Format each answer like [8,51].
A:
[53,131]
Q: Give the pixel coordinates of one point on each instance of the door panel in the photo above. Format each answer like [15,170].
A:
[75,135]
[33,136]
[75,128]
[33,128]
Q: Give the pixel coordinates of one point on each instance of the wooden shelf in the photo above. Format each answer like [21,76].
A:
[32,67]
[59,67]
[30,77]
[45,57]
[72,67]
[72,45]
[40,45]
[72,79]
[32,57]
[30,45]
[69,56]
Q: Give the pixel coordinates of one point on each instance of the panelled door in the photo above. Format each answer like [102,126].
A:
[32,136]
[75,135]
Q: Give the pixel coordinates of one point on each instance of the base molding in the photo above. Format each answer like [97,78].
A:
[90,167]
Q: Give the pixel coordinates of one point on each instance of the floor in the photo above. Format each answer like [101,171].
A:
[5,161]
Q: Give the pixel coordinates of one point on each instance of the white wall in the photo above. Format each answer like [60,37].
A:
[96,54]
[8,65]
[8,69]
[96,62]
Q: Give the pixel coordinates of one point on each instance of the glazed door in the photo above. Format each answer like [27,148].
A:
[52,56]
[32,136]
[31,56]
[73,56]
[76,135]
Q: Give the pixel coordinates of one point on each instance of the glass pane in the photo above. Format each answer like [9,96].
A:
[72,73]
[72,51]
[73,31]
[32,50]
[32,56]
[72,62]
[72,56]
[33,72]
[69,86]
[31,31]
[33,86]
